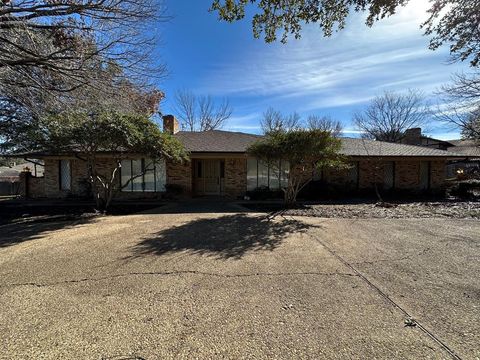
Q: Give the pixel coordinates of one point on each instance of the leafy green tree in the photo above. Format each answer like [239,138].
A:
[305,150]
[87,135]
[449,21]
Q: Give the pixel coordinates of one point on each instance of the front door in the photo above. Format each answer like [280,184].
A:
[211,177]
[208,176]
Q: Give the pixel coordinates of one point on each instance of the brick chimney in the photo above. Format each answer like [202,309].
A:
[413,136]
[170,124]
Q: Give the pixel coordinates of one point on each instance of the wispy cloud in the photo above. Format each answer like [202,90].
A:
[357,62]
[334,76]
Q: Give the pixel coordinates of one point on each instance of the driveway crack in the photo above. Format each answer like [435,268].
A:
[407,315]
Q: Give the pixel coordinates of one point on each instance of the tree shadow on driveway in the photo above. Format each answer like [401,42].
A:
[16,233]
[228,236]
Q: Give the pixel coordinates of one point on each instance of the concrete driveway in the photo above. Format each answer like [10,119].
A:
[237,285]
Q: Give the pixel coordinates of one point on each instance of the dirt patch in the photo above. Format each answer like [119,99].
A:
[456,210]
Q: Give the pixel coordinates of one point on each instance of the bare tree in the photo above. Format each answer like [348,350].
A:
[201,113]
[389,115]
[274,120]
[465,88]
[61,38]
[325,123]
[461,105]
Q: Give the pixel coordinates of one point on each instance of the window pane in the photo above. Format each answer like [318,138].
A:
[353,174]
[389,175]
[126,174]
[137,170]
[199,169]
[149,175]
[274,176]
[160,175]
[262,174]
[251,174]
[284,173]
[65,175]
[222,169]
[424,175]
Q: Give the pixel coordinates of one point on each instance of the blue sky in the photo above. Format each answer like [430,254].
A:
[314,75]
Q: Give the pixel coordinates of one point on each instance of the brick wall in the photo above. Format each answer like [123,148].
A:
[78,168]
[51,175]
[370,172]
[36,185]
[407,177]
[180,174]
[235,177]
[407,174]
[438,174]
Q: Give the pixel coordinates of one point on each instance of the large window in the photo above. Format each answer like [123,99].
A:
[353,175]
[143,175]
[425,168]
[263,175]
[389,175]
[65,175]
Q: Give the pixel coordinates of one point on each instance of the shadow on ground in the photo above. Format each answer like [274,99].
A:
[16,233]
[228,236]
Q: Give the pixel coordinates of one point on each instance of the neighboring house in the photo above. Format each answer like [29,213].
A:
[10,177]
[468,148]
[414,136]
[470,166]
[219,165]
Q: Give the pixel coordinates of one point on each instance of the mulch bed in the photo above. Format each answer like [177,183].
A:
[437,209]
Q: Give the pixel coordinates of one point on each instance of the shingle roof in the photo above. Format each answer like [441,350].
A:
[216,141]
[236,142]
[465,147]
[361,147]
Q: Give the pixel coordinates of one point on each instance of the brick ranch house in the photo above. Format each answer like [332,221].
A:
[220,166]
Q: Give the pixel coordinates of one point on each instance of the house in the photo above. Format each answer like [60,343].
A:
[415,137]
[220,166]
[468,148]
